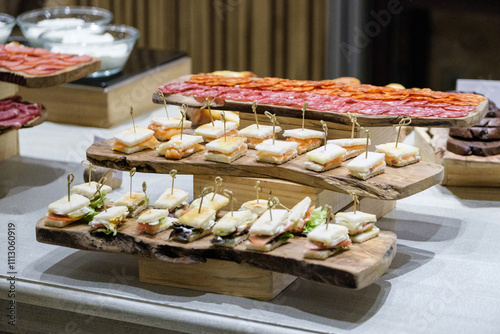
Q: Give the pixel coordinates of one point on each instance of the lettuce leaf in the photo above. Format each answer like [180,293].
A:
[318,216]
[104,230]
[97,202]
[89,216]
[285,236]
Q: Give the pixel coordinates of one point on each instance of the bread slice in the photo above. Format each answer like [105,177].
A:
[353,146]
[210,132]
[261,132]
[89,190]
[399,156]
[322,254]
[168,123]
[217,203]
[134,136]
[277,153]
[364,167]
[264,248]
[226,149]
[224,158]
[325,158]
[465,147]
[366,235]
[62,207]
[169,200]
[304,133]
[56,223]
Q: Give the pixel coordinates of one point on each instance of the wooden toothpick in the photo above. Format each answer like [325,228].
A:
[98,190]
[162,96]
[304,108]
[325,129]
[403,122]
[131,173]
[257,189]
[355,123]
[218,185]
[328,209]
[355,199]
[132,115]
[144,188]
[172,173]
[70,179]
[89,167]
[229,194]
[182,111]
[223,115]
[206,105]
[271,203]
[367,142]
[272,117]
[254,110]
[204,193]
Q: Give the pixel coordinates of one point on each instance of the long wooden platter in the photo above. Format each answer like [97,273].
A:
[356,268]
[395,183]
[328,116]
[60,77]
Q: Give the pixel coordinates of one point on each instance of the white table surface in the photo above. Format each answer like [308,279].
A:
[443,278]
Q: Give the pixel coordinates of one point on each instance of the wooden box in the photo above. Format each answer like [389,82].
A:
[91,105]
[7,89]
[9,144]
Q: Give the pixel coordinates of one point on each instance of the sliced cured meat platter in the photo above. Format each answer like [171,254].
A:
[11,117]
[395,183]
[355,268]
[473,116]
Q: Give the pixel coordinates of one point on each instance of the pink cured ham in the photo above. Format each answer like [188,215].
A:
[14,112]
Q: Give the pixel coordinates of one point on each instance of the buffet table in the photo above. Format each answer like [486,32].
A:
[442,279]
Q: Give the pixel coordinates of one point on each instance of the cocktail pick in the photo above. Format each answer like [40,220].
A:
[355,199]
[223,115]
[70,179]
[182,111]
[206,105]
[254,110]
[162,96]
[403,122]
[172,173]
[257,189]
[218,185]
[132,115]
[272,117]
[98,191]
[89,167]
[144,188]
[325,129]
[229,194]
[304,108]
[271,203]
[204,193]
[367,142]
[328,209]
[131,173]
[355,123]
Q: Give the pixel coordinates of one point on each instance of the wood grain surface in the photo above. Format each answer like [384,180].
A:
[69,74]
[395,183]
[330,116]
[356,268]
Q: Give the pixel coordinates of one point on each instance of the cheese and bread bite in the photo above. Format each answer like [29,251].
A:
[364,167]
[256,207]
[174,201]
[216,202]
[195,224]
[321,159]
[269,231]
[256,135]
[226,149]
[135,203]
[211,132]
[277,153]
[353,146]
[108,221]
[232,229]
[177,148]
[326,240]
[361,225]
[89,190]
[306,139]
[298,215]
[153,221]
[399,156]
[165,128]
[135,140]
[63,212]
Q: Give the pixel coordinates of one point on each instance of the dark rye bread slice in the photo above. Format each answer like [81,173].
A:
[466,147]
[476,133]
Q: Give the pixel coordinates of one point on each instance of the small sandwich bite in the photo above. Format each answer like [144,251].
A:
[321,159]
[306,139]
[90,191]
[226,149]
[299,214]
[326,240]
[364,167]
[165,128]
[277,153]
[135,203]
[211,132]
[257,208]
[256,135]
[216,202]
[177,148]
[193,225]
[353,146]
[361,225]
[130,141]
[232,229]
[63,212]
[399,156]
[153,221]
[174,201]
[269,231]
[108,221]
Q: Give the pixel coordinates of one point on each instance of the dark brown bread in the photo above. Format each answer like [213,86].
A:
[476,133]
[465,147]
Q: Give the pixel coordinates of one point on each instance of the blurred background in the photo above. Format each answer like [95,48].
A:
[416,43]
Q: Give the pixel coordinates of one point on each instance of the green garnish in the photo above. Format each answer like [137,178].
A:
[318,216]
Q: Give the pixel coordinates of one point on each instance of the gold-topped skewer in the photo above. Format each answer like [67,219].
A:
[355,199]
[229,194]
[206,105]
[90,168]
[204,193]
[325,129]
[218,185]
[162,96]
[367,142]
[273,119]
[99,185]
[257,189]
[131,173]
[405,121]
[355,123]
[172,173]
[132,115]
[182,111]
[304,108]
[254,110]
[328,209]
[70,179]
[223,116]
[271,203]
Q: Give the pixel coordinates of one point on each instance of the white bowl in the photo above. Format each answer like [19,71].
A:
[35,22]
[112,44]
[7,22]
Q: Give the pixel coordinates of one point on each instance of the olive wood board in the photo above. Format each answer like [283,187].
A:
[328,116]
[355,268]
[394,183]
[69,74]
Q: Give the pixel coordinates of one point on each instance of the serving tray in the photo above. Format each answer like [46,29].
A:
[395,183]
[328,116]
[356,268]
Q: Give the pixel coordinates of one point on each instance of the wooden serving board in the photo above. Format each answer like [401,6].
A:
[395,183]
[328,116]
[356,268]
[67,75]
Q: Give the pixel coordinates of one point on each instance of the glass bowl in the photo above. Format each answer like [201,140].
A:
[7,22]
[35,22]
[111,43]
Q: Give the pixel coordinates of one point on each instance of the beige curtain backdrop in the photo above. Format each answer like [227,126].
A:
[284,38]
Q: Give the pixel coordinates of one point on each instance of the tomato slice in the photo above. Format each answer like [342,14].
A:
[53,216]
[147,227]
[260,240]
